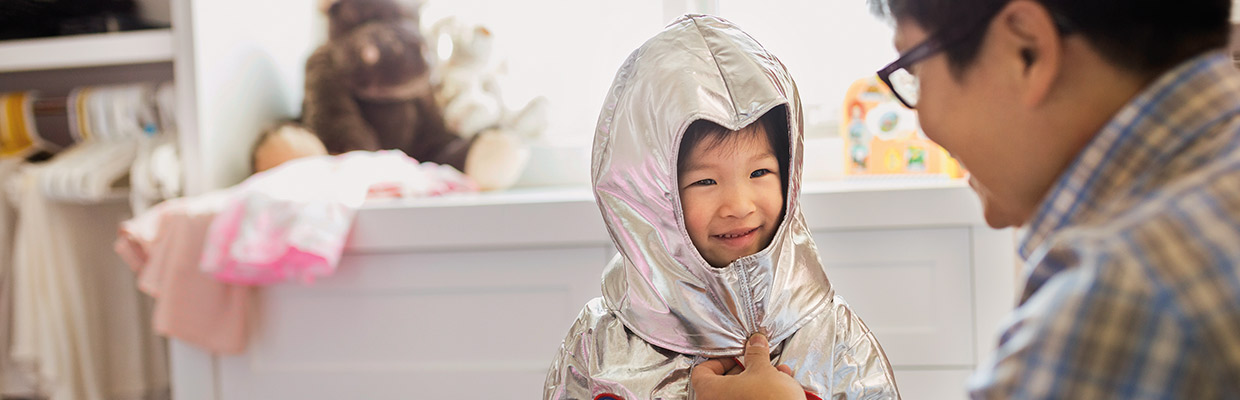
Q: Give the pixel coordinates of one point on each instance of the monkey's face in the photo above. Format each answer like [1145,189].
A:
[385,62]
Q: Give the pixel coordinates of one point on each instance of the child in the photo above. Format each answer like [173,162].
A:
[696,168]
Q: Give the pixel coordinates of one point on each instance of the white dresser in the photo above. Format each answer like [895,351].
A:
[468,298]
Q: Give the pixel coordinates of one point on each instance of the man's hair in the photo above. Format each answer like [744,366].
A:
[775,122]
[1147,37]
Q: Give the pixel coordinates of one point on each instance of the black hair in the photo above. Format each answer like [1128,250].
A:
[774,122]
[1147,37]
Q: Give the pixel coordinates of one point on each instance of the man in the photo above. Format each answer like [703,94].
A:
[1108,128]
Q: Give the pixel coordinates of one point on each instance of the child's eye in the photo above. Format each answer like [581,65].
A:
[704,182]
[759,173]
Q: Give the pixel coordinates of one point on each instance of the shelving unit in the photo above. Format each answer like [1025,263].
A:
[95,50]
[53,66]
[234,72]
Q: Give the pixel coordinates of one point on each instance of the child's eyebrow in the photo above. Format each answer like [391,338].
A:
[761,156]
[696,165]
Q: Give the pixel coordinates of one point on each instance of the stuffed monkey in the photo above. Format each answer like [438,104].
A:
[368,87]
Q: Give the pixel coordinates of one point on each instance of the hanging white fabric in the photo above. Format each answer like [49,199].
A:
[81,328]
[13,383]
[80,324]
[109,124]
[156,172]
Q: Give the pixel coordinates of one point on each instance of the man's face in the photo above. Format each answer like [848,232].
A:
[963,113]
[997,214]
[732,195]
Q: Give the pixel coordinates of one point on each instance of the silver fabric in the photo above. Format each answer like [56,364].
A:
[664,308]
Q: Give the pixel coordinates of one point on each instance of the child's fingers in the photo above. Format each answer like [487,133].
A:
[715,366]
[710,374]
[785,369]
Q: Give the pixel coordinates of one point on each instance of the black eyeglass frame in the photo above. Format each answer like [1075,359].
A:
[921,51]
[933,45]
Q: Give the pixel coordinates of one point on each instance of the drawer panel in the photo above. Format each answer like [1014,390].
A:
[946,384]
[424,325]
[913,287]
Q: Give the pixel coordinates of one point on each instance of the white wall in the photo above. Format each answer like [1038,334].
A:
[566,50]
[569,50]
[826,45]
[237,73]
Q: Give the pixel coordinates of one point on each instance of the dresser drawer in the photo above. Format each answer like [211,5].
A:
[417,325]
[913,287]
[933,384]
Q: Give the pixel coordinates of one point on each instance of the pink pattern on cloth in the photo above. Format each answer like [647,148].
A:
[291,222]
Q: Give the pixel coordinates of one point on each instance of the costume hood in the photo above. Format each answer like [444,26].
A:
[659,286]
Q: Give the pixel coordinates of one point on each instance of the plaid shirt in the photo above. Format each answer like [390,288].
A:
[1133,284]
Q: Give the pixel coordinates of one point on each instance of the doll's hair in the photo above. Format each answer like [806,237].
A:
[268,133]
[774,122]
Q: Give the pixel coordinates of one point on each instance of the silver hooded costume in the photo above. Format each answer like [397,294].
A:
[664,309]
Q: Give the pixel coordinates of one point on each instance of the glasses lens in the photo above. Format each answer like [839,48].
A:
[906,85]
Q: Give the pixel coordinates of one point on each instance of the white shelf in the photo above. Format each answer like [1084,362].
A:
[134,47]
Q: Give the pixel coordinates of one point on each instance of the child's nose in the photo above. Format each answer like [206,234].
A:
[738,203]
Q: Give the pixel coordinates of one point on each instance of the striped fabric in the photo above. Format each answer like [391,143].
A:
[1133,289]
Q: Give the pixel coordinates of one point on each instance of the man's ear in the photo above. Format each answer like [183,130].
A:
[1030,41]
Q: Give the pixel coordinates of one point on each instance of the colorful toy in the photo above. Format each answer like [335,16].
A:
[882,137]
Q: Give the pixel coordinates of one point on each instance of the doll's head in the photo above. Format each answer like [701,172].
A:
[282,143]
[732,186]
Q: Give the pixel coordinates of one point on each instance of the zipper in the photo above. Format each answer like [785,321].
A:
[747,298]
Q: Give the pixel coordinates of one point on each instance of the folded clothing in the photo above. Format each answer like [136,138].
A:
[163,246]
[291,222]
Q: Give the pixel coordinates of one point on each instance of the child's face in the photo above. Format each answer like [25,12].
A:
[732,195]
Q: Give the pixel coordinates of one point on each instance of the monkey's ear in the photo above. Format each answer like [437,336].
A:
[326,5]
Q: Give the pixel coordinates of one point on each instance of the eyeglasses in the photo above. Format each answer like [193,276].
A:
[907,87]
[903,83]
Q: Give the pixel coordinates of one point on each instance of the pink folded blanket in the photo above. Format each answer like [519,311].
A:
[291,222]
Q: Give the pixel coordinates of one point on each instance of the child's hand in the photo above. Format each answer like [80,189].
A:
[721,379]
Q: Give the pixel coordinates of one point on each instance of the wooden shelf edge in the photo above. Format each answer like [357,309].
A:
[94,50]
